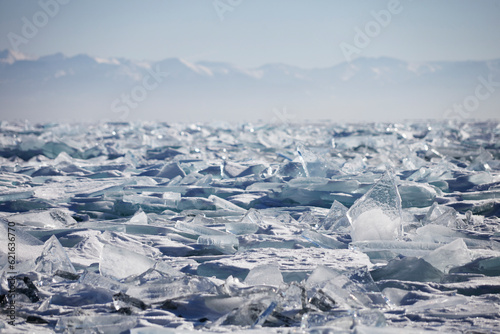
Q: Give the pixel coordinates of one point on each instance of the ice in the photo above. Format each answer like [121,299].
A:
[382,251]
[96,324]
[252,313]
[350,289]
[170,171]
[336,219]
[377,215]
[197,229]
[122,302]
[480,162]
[451,255]
[416,195]
[119,263]
[223,204]
[408,269]
[27,247]
[55,218]
[489,266]
[242,228]
[228,244]
[322,240]
[258,228]
[139,218]
[442,215]
[267,274]
[96,280]
[294,264]
[53,258]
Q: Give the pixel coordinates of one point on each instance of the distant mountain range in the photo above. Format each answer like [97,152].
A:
[81,88]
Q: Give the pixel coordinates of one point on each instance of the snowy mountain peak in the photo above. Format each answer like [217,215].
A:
[8,56]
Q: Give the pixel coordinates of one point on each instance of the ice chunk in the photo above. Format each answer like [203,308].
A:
[122,301]
[489,266]
[224,204]
[442,215]
[387,250]
[172,199]
[96,324]
[480,163]
[336,219]
[241,228]
[25,290]
[232,169]
[252,313]
[267,274]
[139,218]
[308,220]
[170,288]
[53,258]
[416,195]
[119,263]
[436,233]
[228,244]
[95,280]
[322,240]
[377,214]
[408,269]
[340,321]
[27,247]
[312,163]
[451,255]
[353,289]
[54,218]
[11,195]
[171,170]
[198,229]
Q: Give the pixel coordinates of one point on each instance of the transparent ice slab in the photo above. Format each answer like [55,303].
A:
[408,269]
[377,214]
[451,255]
[95,324]
[53,258]
[228,244]
[267,274]
[336,219]
[120,263]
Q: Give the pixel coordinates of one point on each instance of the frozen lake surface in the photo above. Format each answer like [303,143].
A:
[282,228]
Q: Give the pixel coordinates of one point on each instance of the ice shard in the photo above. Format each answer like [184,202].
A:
[112,323]
[139,218]
[377,214]
[171,171]
[451,255]
[408,269]
[228,244]
[119,263]
[336,219]
[267,274]
[217,227]
[53,258]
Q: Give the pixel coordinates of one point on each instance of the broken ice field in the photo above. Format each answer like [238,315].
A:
[119,227]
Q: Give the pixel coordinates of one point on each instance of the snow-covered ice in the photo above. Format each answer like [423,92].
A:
[149,227]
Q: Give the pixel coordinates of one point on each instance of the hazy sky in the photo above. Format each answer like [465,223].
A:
[255,32]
